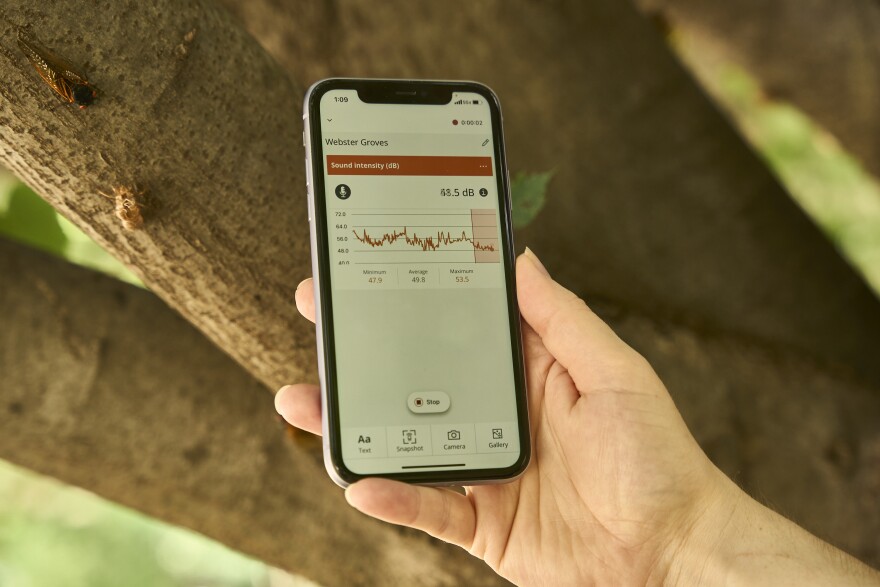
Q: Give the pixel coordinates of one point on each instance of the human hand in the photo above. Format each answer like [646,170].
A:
[617,492]
[614,477]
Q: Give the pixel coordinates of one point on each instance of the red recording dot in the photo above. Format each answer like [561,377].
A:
[455,123]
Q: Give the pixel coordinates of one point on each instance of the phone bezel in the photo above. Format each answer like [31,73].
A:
[411,92]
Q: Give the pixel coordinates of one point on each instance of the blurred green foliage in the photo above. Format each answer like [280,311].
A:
[528,192]
[55,535]
[29,219]
[26,217]
[829,184]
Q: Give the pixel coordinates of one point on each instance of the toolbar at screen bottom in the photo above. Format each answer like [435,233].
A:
[430,440]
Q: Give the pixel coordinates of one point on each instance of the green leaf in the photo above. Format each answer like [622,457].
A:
[528,191]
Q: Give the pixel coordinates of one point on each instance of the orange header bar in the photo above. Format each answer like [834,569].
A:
[407,165]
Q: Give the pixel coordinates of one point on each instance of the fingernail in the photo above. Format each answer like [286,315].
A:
[534,259]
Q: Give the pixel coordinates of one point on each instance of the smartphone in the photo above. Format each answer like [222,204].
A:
[419,346]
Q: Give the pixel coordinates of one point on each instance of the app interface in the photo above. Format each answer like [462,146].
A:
[424,365]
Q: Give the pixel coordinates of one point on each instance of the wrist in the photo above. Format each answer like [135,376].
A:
[706,549]
[734,540]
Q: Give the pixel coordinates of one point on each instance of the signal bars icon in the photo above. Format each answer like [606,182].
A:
[462,101]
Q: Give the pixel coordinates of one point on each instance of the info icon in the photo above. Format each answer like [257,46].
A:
[484,192]
[343,192]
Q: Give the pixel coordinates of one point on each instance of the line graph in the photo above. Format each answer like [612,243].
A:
[420,236]
[428,243]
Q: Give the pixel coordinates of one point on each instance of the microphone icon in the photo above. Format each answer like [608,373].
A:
[343,192]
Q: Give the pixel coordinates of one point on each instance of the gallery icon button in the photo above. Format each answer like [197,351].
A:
[427,402]
[497,437]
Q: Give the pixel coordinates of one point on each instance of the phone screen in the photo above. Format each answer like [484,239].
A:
[424,350]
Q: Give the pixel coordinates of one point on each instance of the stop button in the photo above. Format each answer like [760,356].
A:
[427,402]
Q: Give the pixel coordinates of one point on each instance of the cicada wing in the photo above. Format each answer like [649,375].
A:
[56,72]
[74,77]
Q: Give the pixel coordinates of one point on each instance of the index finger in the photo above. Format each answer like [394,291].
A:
[582,343]
[305,299]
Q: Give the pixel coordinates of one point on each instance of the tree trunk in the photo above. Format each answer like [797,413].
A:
[209,128]
[106,388]
[658,200]
[821,55]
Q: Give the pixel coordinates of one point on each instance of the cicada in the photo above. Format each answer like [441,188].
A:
[55,71]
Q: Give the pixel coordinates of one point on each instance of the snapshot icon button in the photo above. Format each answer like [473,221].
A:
[428,402]
[409,441]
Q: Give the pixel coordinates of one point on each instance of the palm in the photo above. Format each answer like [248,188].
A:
[593,485]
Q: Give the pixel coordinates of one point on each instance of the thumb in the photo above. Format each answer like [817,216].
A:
[582,343]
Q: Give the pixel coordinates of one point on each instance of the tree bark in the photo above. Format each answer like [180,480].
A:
[662,206]
[209,128]
[665,209]
[821,55]
[104,387]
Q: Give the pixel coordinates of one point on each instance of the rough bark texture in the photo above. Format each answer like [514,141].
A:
[822,55]
[104,387]
[210,128]
[131,402]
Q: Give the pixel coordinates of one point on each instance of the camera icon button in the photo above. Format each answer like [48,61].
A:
[451,439]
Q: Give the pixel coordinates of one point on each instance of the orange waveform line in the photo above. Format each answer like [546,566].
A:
[426,243]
